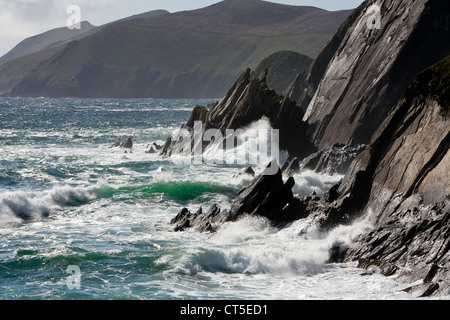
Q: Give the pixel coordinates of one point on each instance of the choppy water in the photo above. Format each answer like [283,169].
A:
[68,200]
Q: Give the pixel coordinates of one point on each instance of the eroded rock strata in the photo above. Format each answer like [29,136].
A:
[378,113]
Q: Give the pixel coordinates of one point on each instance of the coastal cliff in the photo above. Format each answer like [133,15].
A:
[382,95]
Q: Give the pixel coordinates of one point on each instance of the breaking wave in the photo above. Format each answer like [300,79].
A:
[18,206]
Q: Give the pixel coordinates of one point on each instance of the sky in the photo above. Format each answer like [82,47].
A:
[20,19]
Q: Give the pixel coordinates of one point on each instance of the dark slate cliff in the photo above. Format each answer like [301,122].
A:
[407,168]
[353,84]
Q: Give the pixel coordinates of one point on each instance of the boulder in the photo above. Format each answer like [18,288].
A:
[291,167]
[128,144]
[200,221]
[151,151]
[266,196]
[116,144]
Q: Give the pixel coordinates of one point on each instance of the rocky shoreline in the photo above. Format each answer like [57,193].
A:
[375,107]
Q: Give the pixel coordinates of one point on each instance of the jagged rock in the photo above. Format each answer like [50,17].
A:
[151,151]
[199,221]
[266,196]
[248,171]
[248,101]
[116,144]
[291,167]
[414,244]
[401,181]
[128,144]
[337,252]
[156,146]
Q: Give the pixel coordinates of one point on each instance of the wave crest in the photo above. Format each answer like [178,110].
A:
[22,206]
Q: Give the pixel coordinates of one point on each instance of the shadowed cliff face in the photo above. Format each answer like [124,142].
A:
[363,72]
[400,182]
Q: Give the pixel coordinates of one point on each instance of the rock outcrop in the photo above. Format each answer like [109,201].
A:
[355,92]
[414,244]
[127,144]
[333,160]
[248,101]
[408,190]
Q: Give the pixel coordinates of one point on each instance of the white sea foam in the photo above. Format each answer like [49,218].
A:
[257,147]
[253,246]
[308,181]
[250,256]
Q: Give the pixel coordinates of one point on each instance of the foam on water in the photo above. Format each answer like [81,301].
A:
[246,258]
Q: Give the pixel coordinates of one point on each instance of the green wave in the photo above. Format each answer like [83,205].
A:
[178,190]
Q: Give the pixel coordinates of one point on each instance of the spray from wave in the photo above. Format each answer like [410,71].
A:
[256,146]
[253,246]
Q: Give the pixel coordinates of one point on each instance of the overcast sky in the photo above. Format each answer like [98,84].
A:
[20,19]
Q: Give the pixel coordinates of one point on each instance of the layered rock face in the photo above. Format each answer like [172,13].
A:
[363,72]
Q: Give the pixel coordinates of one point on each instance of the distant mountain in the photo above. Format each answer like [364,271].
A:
[28,54]
[47,40]
[150,14]
[190,54]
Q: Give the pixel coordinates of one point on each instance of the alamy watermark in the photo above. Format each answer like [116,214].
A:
[251,146]
[373,15]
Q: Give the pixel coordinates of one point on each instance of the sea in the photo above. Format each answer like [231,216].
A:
[80,220]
